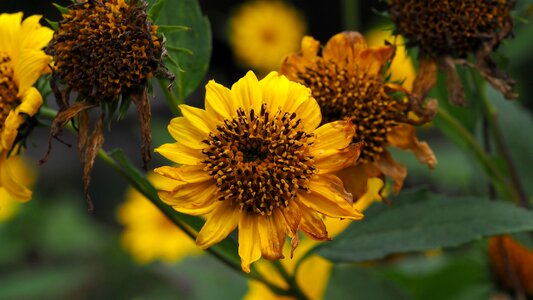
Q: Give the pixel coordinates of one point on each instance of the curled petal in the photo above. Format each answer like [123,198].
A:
[373,59]
[392,169]
[355,178]
[292,217]
[425,79]
[312,224]
[344,48]
[333,160]
[404,137]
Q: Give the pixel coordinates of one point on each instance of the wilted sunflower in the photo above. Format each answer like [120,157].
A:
[446,32]
[22,62]
[148,234]
[105,51]
[262,32]
[348,82]
[254,158]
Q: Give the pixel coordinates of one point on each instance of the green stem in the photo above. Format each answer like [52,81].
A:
[492,119]
[165,209]
[294,288]
[172,100]
[488,165]
[351,14]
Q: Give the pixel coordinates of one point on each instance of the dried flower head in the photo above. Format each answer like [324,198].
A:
[348,81]
[105,51]
[446,32]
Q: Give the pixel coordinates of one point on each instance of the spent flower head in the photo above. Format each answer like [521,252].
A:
[256,159]
[22,62]
[349,82]
[105,51]
[446,32]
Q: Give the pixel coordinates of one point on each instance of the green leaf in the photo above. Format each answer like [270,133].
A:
[420,221]
[352,282]
[155,9]
[63,10]
[53,25]
[174,18]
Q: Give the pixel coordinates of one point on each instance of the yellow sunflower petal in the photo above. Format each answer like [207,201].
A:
[9,33]
[186,133]
[334,135]
[202,119]
[184,173]
[328,196]
[192,198]
[272,234]
[343,48]
[247,93]
[249,241]
[404,137]
[33,34]
[29,67]
[312,224]
[334,160]
[292,217]
[392,169]
[180,154]
[218,225]
[310,114]
[31,102]
[10,131]
[219,101]
[10,182]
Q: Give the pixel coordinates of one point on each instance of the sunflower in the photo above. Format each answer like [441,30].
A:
[256,159]
[22,62]
[105,51]
[446,32]
[148,234]
[263,32]
[347,79]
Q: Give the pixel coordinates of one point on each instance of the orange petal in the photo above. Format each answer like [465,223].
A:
[344,48]
[333,160]
[327,196]
[426,78]
[272,234]
[373,59]
[312,224]
[292,217]
[249,241]
[309,47]
[404,137]
[218,225]
[392,169]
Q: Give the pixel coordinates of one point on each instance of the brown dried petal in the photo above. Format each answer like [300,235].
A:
[456,93]
[140,99]
[94,144]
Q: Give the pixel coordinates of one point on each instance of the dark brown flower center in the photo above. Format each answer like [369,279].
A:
[450,27]
[359,96]
[259,161]
[104,48]
[8,89]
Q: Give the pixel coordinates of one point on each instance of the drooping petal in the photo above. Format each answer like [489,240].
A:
[249,241]
[186,133]
[392,169]
[355,178]
[404,137]
[343,48]
[328,196]
[219,101]
[333,160]
[292,217]
[219,224]
[191,198]
[334,135]
[312,224]
[185,173]
[272,234]
[180,154]
[247,93]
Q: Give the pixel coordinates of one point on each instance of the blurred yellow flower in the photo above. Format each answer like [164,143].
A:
[262,32]
[257,159]
[21,173]
[401,67]
[22,62]
[148,234]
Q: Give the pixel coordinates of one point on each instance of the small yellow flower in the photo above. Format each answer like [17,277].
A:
[255,159]
[24,175]
[22,62]
[262,32]
[148,234]
[347,79]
